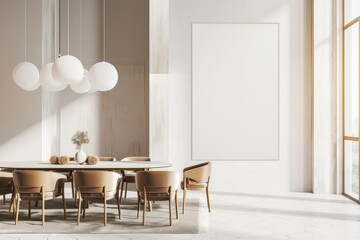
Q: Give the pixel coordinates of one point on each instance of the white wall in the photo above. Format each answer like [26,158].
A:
[20,111]
[292,172]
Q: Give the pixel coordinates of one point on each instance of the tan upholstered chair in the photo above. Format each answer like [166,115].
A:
[69,175]
[157,186]
[6,184]
[38,186]
[129,176]
[96,185]
[196,177]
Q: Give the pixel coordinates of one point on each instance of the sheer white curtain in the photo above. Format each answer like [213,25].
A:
[327,103]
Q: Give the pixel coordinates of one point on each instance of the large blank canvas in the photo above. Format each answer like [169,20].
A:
[235,98]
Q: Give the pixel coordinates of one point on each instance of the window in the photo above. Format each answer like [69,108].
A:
[351,105]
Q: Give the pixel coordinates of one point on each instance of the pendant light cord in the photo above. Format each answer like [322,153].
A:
[57,29]
[25,31]
[104,29]
[68,23]
[81,42]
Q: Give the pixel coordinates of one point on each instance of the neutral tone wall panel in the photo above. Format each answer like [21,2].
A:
[159,36]
[230,95]
[293,170]
[117,121]
[159,80]
[20,111]
[159,117]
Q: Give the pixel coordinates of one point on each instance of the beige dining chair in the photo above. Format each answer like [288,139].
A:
[69,175]
[128,176]
[6,184]
[91,185]
[157,186]
[196,177]
[41,186]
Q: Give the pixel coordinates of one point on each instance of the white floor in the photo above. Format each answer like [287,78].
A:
[249,216]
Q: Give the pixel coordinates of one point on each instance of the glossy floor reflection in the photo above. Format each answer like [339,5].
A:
[254,216]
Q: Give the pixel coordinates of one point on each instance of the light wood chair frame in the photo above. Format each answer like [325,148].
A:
[206,192]
[187,177]
[84,196]
[5,190]
[21,193]
[146,198]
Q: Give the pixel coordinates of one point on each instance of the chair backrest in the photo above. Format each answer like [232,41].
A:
[34,180]
[94,181]
[199,173]
[100,158]
[139,158]
[157,181]
[6,180]
[109,159]
[134,158]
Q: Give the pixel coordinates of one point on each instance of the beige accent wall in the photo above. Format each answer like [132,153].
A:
[20,111]
[117,120]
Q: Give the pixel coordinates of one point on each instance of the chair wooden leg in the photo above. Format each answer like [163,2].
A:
[29,211]
[14,208]
[170,206]
[144,210]
[84,207]
[64,202]
[118,203]
[43,206]
[176,204]
[184,200]
[105,215]
[4,200]
[126,187]
[208,198]
[12,201]
[122,189]
[150,206]
[72,188]
[17,209]
[79,209]
[76,198]
[139,203]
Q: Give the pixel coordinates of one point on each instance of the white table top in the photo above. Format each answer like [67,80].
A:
[103,165]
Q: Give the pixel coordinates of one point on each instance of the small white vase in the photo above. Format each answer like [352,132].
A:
[80,156]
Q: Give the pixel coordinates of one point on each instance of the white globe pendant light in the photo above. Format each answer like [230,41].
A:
[35,87]
[48,82]
[83,86]
[92,90]
[103,76]
[26,76]
[68,69]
